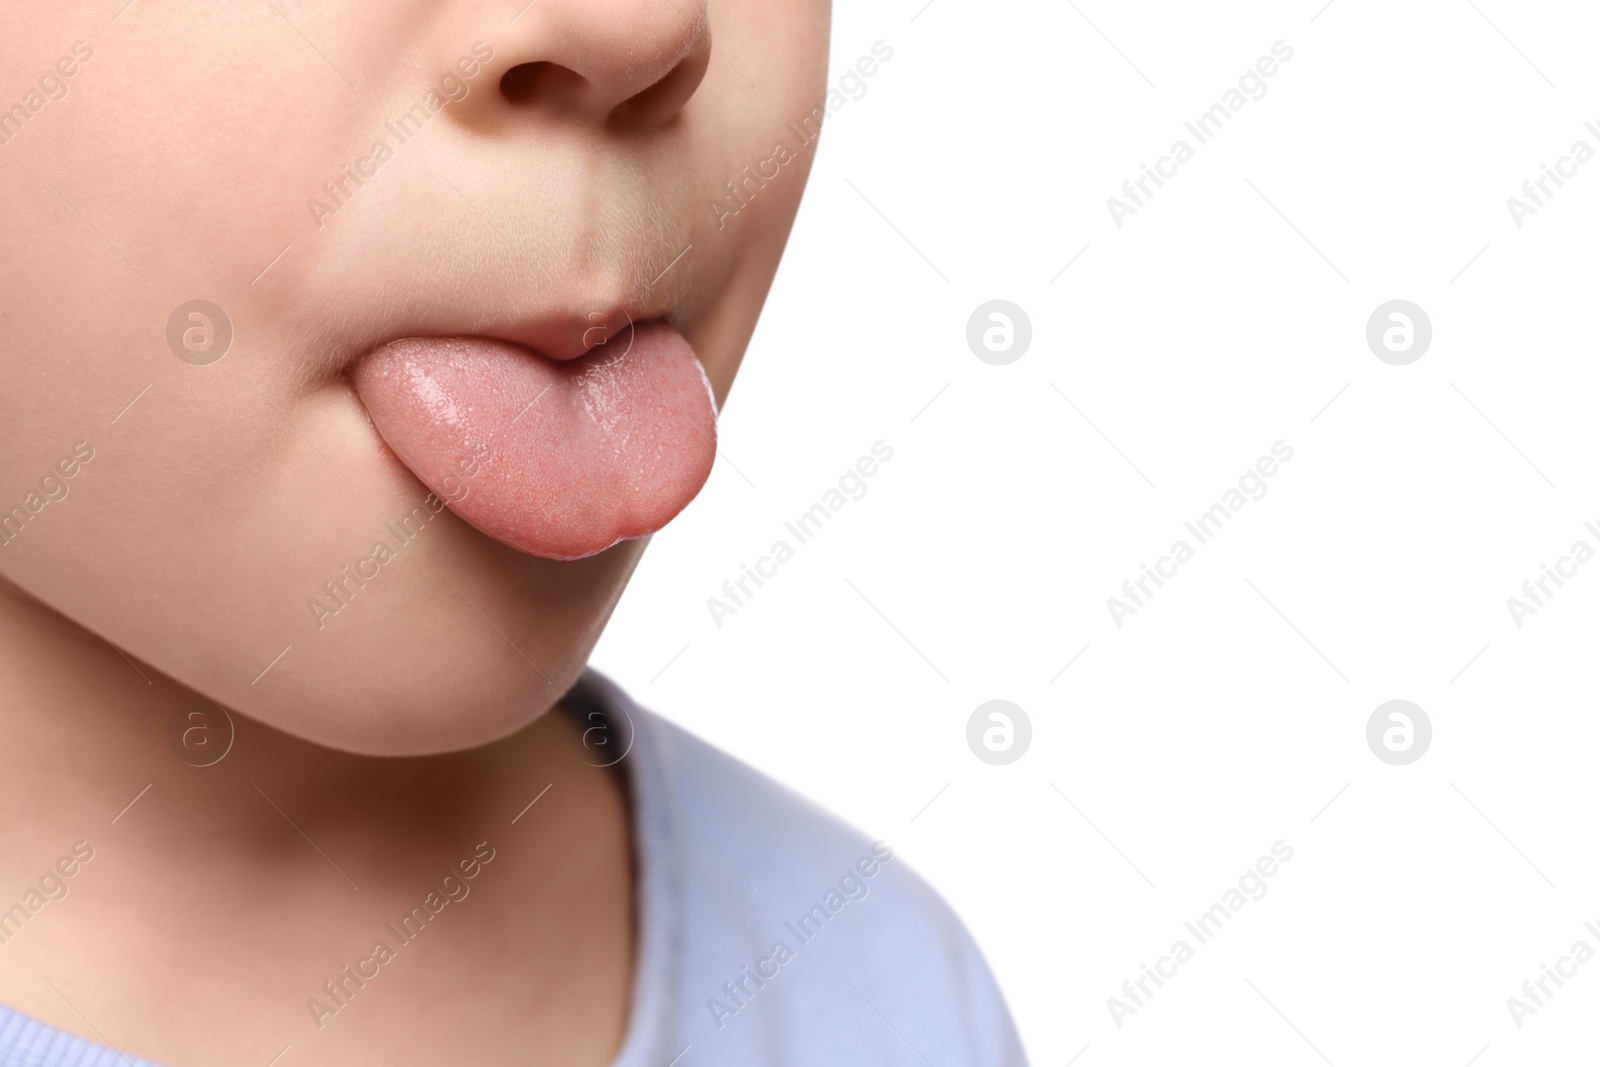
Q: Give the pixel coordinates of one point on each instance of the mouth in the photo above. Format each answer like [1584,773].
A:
[559,442]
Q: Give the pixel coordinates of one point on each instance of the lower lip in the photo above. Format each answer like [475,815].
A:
[560,459]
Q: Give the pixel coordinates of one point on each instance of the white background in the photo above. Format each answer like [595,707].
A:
[1229,711]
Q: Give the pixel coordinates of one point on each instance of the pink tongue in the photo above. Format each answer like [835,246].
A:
[560,459]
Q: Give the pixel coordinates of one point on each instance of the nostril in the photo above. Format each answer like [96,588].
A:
[521,82]
[659,103]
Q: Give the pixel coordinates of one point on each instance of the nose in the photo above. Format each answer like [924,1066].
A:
[618,62]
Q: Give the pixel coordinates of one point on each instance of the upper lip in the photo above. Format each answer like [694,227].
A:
[569,337]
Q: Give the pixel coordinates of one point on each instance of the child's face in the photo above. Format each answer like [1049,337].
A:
[329,178]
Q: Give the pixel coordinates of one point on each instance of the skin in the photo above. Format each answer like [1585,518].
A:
[413,725]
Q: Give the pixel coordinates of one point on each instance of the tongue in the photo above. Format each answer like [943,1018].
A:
[560,459]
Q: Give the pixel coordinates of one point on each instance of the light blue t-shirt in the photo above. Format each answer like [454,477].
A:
[771,934]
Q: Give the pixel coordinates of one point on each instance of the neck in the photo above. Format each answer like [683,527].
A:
[76,710]
[320,848]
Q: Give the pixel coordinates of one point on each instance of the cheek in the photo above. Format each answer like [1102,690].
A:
[226,496]
[225,605]
[206,527]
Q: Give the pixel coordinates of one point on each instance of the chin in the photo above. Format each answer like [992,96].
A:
[441,664]
[424,713]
